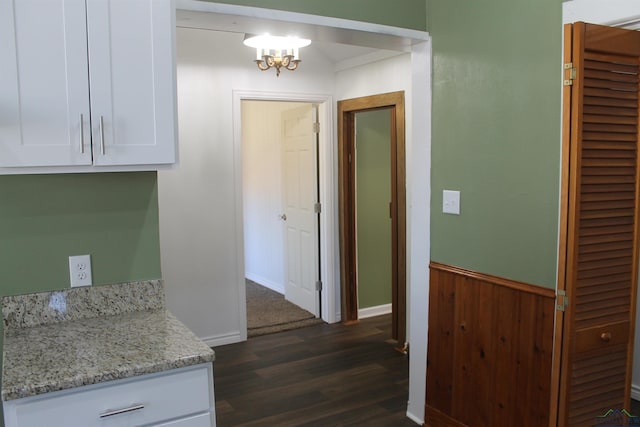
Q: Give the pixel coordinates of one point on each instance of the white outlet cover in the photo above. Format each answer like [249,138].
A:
[80,270]
[451,202]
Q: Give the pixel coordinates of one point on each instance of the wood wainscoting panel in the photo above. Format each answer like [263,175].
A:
[490,350]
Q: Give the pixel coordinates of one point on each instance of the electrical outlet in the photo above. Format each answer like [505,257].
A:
[80,270]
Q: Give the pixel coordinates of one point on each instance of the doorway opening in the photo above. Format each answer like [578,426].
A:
[281,199]
[349,205]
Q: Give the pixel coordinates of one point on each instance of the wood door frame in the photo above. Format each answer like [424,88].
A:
[563,226]
[347,110]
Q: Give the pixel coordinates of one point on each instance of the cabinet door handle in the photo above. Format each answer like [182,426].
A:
[111,413]
[102,135]
[81,133]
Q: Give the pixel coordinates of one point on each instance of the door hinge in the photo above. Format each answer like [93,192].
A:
[316,127]
[562,300]
[317,207]
[319,285]
[572,73]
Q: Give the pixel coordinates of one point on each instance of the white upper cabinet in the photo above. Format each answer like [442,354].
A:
[87,82]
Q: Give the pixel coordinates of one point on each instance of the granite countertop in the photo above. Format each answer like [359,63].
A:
[113,337]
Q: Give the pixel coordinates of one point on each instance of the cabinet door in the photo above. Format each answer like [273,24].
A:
[43,83]
[132,81]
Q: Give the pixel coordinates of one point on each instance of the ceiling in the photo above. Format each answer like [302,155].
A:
[339,45]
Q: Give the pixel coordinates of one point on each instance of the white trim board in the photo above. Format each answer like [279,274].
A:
[377,310]
[224,339]
[611,12]
[635,391]
[415,419]
[276,287]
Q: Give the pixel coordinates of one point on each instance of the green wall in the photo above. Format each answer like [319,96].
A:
[373,194]
[496,135]
[398,13]
[46,218]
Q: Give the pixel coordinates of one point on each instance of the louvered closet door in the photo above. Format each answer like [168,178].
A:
[602,255]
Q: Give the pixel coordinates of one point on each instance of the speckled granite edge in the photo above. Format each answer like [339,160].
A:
[66,355]
[43,308]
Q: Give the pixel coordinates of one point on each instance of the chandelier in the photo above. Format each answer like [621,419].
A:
[276,52]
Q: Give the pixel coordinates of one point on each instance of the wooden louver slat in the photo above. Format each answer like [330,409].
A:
[594,382]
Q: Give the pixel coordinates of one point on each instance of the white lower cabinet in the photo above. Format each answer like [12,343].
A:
[175,398]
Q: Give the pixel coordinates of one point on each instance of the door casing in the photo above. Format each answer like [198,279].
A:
[326,181]
[347,110]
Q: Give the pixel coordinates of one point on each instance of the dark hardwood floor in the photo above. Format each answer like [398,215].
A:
[323,375]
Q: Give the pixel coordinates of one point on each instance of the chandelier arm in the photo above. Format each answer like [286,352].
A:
[286,60]
[293,64]
[269,60]
[262,65]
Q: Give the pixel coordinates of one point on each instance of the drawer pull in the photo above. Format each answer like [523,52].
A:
[81,133]
[102,135]
[605,336]
[111,413]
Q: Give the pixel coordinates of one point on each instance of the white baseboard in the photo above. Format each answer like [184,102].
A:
[224,339]
[635,391]
[277,287]
[415,419]
[378,310]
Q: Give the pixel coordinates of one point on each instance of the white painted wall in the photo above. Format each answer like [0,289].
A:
[262,192]
[201,262]
[615,13]
[388,75]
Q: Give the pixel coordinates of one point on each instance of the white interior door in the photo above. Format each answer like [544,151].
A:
[300,219]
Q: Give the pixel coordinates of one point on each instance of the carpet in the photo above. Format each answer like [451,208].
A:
[268,312]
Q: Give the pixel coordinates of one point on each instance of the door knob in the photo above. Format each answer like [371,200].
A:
[605,336]
[283,217]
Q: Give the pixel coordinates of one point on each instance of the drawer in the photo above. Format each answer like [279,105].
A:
[143,400]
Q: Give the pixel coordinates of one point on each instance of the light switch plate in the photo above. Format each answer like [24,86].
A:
[451,202]
[80,270]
